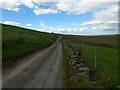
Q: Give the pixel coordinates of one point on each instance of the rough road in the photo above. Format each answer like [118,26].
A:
[40,70]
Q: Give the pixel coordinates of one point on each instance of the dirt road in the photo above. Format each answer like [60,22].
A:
[40,70]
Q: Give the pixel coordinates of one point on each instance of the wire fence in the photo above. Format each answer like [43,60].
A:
[102,62]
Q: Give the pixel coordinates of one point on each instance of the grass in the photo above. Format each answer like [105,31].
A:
[17,41]
[102,40]
[106,74]
[72,80]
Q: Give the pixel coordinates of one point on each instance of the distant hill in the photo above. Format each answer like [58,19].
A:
[102,40]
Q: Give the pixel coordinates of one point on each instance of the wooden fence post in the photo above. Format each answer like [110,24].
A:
[77,45]
[83,47]
[96,58]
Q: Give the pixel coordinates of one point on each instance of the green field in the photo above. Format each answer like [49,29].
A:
[106,74]
[101,40]
[17,41]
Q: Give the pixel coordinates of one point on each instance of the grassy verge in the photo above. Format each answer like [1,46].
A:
[18,42]
[106,74]
[72,80]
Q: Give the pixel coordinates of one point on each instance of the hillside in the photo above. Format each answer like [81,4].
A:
[18,42]
[102,40]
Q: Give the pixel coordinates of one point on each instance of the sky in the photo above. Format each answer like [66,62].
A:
[76,17]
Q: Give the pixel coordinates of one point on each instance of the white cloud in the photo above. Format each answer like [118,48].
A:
[14,5]
[101,28]
[40,11]
[83,29]
[28,3]
[71,30]
[11,23]
[91,23]
[83,6]
[60,30]
[10,5]
[104,19]
[109,16]
[42,25]
[96,23]
[46,1]
[71,7]
[112,22]
[29,24]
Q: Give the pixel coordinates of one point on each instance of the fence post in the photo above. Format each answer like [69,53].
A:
[96,58]
[77,46]
[83,47]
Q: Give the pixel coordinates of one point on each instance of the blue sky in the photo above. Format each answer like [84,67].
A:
[78,17]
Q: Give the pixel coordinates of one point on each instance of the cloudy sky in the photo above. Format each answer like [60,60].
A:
[78,17]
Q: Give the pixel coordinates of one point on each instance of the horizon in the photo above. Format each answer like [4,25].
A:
[63,17]
[59,33]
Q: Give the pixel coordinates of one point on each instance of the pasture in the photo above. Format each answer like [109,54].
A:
[106,72]
[18,42]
